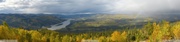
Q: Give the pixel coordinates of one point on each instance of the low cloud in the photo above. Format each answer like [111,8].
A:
[89,6]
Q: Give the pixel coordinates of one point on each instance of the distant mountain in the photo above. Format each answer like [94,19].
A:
[30,21]
[74,16]
[103,22]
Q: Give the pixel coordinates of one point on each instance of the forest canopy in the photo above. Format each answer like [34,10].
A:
[151,32]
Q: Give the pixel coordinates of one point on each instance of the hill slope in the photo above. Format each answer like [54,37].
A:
[30,21]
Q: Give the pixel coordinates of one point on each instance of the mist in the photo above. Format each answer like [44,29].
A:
[89,6]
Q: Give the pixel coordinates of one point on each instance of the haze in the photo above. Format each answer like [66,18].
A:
[90,6]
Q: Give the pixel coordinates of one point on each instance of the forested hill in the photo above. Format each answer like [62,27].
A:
[30,21]
[151,32]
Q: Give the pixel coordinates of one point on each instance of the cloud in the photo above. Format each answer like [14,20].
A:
[88,6]
[143,6]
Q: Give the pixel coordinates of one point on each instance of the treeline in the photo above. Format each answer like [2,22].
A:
[151,32]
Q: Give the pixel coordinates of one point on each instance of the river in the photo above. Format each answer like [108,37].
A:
[63,25]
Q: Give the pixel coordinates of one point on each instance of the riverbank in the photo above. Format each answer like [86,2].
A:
[58,26]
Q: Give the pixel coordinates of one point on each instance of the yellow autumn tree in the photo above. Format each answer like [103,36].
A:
[66,38]
[157,34]
[36,36]
[176,30]
[118,37]
[102,39]
[79,38]
[165,29]
[57,39]
[115,36]
[123,37]
[6,33]
[44,39]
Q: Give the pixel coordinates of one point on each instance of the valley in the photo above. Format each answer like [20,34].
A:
[84,22]
[100,27]
[89,21]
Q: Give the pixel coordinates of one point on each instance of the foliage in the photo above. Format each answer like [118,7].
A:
[151,32]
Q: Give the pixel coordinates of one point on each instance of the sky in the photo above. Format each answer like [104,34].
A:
[90,6]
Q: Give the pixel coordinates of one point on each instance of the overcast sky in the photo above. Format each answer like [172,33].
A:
[90,6]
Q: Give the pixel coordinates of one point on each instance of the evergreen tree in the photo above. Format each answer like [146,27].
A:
[5,24]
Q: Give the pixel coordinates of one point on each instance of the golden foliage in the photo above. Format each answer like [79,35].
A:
[176,30]
[117,36]
[66,38]
[155,32]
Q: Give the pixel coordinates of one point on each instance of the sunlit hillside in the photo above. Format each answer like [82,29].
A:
[89,20]
[151,32]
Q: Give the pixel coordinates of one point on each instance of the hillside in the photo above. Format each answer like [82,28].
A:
[30,21]
[103,22]
[151,32]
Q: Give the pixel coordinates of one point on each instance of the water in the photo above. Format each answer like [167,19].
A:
[63,25]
